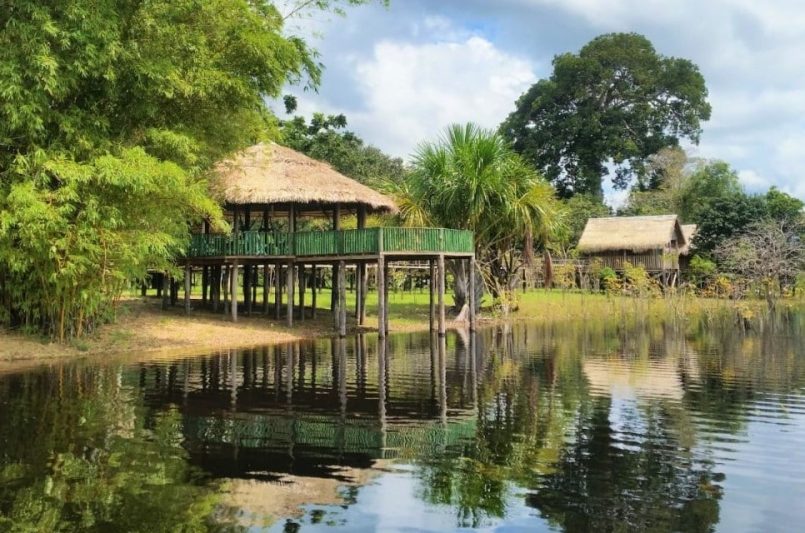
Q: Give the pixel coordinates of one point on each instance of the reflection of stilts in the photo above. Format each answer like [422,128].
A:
[342,392]
[474,368]
[381,391]
[443,381]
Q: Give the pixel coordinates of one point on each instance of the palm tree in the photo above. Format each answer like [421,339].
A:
[471,179]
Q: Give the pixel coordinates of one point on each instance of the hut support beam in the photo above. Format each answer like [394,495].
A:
[472,293]
[315,284]
[266,287]
[342,300]
[289,290]
[233,281]
[431,294]
[301,292]
[441,295]
[381,304]
[386,284]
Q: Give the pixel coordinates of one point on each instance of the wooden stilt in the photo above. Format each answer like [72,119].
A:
[342,299]
[315,291]
[302,288]
[386,284]
[432,294]
[266,287]
[215,288]
[364,288]
[381,303]
[233,280]
[225,284]
[247,289]
[205,280]
[441,295]
[187,287]
[358,292]
[472,293]
[277,290]
[289,286]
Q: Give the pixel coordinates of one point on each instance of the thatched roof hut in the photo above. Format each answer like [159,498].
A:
[689,231]
[633,234]
[651,241]
[268,174]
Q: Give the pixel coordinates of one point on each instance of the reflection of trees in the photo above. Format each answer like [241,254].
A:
[76,456]
[606,481]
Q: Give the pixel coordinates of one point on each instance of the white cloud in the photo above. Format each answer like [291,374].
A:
[412,91]
[401,74]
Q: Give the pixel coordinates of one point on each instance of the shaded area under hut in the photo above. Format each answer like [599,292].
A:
[655,242]
[287,213]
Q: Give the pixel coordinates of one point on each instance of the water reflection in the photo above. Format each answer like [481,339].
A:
[596,426]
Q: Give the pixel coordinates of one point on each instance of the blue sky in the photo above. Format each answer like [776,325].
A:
[400,74]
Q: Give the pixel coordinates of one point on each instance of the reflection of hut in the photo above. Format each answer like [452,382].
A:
[654,242]
[689,231]
[641,378]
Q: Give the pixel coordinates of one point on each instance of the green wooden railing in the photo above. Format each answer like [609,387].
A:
[369,241]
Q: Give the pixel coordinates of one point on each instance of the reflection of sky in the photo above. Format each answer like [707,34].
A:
[392,502]
[758,490]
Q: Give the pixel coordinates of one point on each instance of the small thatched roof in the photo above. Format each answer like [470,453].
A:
[688,230]
[632,234]
[270,174]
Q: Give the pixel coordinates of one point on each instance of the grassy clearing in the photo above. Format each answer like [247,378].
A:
[142,327]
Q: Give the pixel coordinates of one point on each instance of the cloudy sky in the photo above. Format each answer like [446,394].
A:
[400,74]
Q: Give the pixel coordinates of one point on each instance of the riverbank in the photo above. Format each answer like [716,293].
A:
[142,327]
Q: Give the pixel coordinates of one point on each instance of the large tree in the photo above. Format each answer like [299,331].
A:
[610,106]
[110,113]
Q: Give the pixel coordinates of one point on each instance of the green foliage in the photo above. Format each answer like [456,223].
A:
[325,139]
[110,113]
[726,217]
[617,101]
[702,271]
[577,210]
[782,206]
[637,281]
[610,282]
[709,183]
[470,179]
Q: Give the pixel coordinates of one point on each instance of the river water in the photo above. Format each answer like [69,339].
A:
[527,427]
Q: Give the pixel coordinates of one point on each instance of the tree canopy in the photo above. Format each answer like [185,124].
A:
[611,106]
[471,179]
[326,138]
[110,113]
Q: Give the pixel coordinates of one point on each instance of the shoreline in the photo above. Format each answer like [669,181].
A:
[143,329]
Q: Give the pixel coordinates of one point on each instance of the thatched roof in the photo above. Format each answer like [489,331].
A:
[688,230]
[270,174]
[632,234]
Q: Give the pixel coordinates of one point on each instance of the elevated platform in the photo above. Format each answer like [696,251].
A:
[328,246]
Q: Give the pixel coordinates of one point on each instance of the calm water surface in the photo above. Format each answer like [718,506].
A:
[521,428]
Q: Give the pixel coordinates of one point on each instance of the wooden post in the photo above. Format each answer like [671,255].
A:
[342,299]
[381,304]
[301,292]
[247,269]
[277,290]
[432,294]
[216,302]
[441,295]
[334,294]
[266,286]
[364,288]
[187,287]
[233,290]
[315,284]
[225,284]
[472,293]
[358,292]
[205,281]
[289,286]
[386,283]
